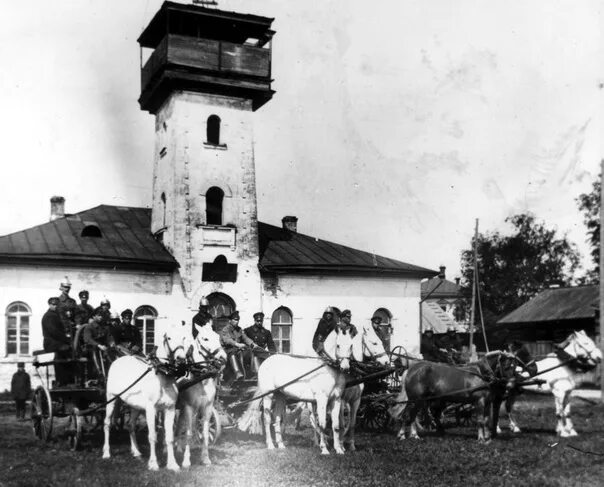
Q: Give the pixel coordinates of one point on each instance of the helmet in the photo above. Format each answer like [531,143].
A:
[329,309]
[65,283]
[204,302]
[114,316]
[105,301]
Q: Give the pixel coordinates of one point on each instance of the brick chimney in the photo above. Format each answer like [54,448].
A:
[457,280]
[442,274]
[290,223]
[57,207]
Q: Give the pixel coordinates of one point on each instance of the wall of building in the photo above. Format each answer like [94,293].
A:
[33,285]
[185,168]
[308,296]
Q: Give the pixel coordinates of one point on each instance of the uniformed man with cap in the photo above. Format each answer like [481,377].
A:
[326,325]
[56,340]
[105,308]
[428,346]
[234,341]
[263,338]
[67,308]
[126,335]
[345,323]
[83,310]
[203,315]
[97,339]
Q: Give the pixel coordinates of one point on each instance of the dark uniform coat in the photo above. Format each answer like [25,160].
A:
[324,328]
[230,335]
[127,335]
[83,313]
[67,310]
[55,338]
[429,349]
[20,386]
[95,334]
[261,337]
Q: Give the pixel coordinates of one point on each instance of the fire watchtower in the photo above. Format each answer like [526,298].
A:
[205,50]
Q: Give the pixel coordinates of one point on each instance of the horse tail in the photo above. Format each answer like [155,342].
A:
[251,419]
[401,400]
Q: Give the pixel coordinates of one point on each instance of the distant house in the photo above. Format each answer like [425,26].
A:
[551,316]
[443,305]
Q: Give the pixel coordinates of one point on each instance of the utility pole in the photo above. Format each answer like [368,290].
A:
[474,288]
[601,307]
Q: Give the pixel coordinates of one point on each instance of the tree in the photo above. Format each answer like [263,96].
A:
[589,204]
[513,268]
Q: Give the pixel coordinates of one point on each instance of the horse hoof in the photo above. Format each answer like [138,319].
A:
[270,447]
[340,452]
[281,446]
[206,461]
[499,430]
[174,468]
[573,433]
[324,452]
[136,454]
[515,429]
[154,467]
[186,465]
[106,456]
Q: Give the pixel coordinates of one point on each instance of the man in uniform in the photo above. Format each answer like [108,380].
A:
[428,347]
[203,315]
[326,325]
[234,341]
[105,308]
[263,338]
[345,324]
[127,336]
[57,341]
[383,331]
[96,340]
[67,308]
[83,310]
[451,342]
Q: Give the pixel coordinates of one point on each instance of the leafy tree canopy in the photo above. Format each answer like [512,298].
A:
[513,268]
[589,204]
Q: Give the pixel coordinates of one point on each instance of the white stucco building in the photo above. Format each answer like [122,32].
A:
[204,74]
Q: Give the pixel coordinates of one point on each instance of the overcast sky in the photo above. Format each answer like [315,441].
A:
[395,124]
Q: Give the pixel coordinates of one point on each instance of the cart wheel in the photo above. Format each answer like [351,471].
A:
[215,426]
[41,413]
[74,434]
[375,416]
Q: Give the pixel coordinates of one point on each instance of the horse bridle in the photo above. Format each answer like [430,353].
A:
[171,351]
[576,343]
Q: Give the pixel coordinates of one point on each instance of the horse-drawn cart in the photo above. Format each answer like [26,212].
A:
[81,401]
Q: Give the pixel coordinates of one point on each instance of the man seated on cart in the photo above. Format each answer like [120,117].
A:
[234,342]
[127,336]
[96,342]
[263,338]
[452,344]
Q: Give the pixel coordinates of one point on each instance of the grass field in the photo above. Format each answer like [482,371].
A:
[532,458]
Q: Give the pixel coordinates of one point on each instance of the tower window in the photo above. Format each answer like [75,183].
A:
[219,270]
[91,231]
[213,130]
[214,198]
[163,207]
[281,329]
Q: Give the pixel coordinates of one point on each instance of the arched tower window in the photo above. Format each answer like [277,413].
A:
[214,198]
[213,130]
[17,328]
[144,319]
[163,209]
[281,328]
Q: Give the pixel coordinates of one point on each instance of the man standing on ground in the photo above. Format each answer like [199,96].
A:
[20,388]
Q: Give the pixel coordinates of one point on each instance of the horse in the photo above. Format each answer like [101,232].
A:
[282,377]
[198,395]
[576,353]
[438,384]
[154,392]
[372,349]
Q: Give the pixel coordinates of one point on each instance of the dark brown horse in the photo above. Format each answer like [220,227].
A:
[434,385]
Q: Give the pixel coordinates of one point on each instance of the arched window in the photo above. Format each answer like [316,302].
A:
[281,328]
[221,306]
[213,130]
[17,329]
[144,319]
[91,231]
[163,209]
[214,198]
[385,329]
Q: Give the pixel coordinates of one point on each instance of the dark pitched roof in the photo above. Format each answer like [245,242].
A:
[126,241]
[447,289]
[565,303]
[283,251]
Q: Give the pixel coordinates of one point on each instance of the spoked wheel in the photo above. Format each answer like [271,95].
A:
[398,358]
[215,426]
[41,413]
[74,432]
[374,416]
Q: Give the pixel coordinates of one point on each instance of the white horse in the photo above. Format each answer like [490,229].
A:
[560,377]
[200,396]
[155,392]
[372,349]
[307,379]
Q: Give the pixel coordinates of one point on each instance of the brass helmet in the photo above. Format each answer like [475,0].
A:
[329,309]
